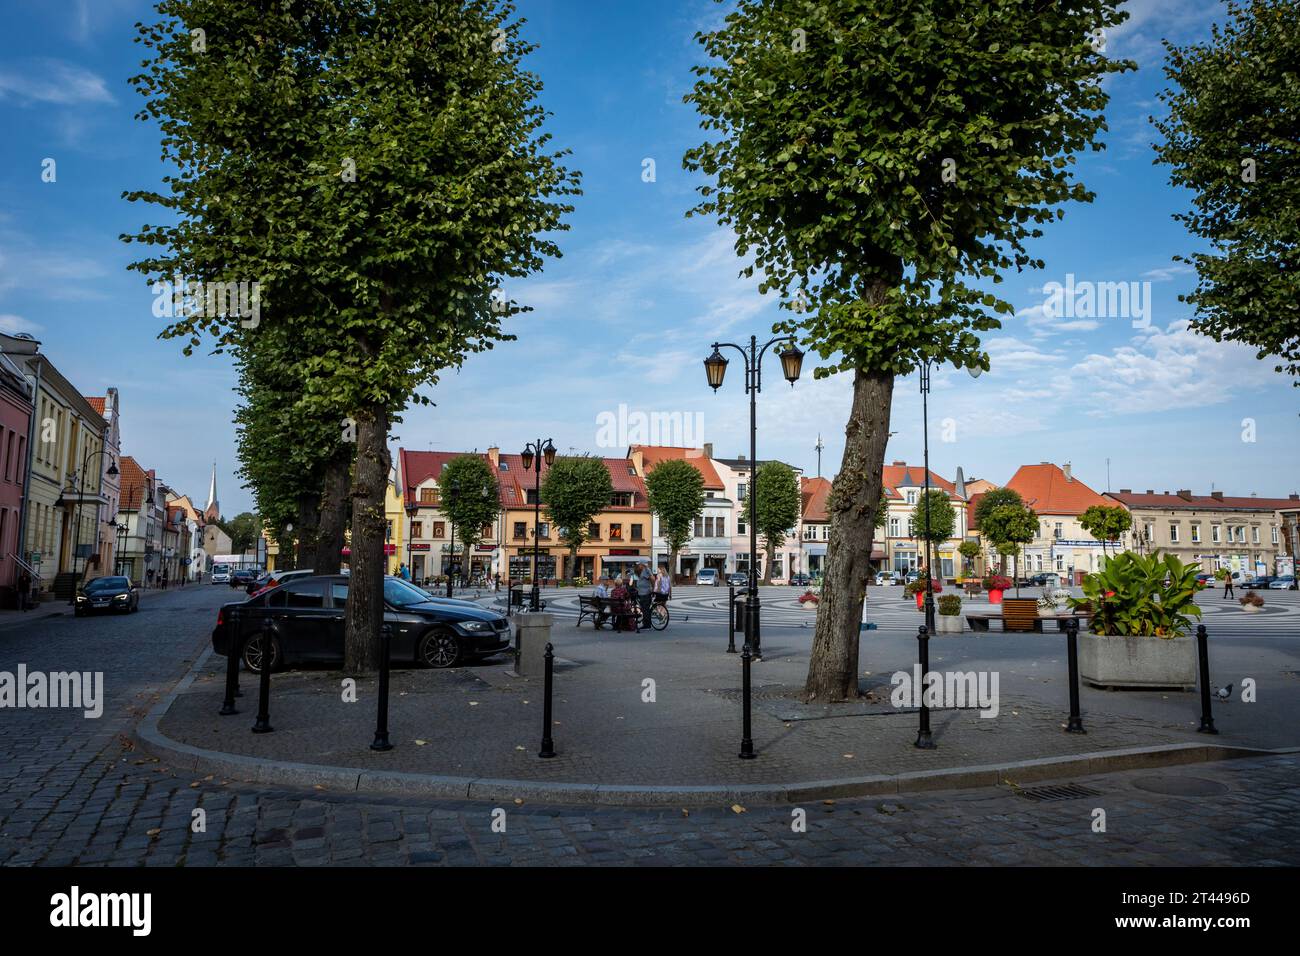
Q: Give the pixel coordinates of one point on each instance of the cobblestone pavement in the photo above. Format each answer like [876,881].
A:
[73,791]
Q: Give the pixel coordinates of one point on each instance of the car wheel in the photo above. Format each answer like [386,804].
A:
[252,655]
[439,649]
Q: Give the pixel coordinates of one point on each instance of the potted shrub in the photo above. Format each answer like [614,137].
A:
[809,600]
[949,620]
[1143,608]
[995,584]
[1251,602]
[917,588]
[1046,606]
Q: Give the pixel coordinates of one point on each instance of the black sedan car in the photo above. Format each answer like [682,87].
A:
[303,622]
[107,594]
[243,577]
[800,580]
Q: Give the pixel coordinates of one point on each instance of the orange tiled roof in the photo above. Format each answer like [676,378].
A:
[134,483]
[902,475]
[654,454]
[1046,489]
[815,491]
[514,481]
[97,404]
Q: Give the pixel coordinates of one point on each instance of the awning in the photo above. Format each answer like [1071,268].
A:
[624,558]
[876,555]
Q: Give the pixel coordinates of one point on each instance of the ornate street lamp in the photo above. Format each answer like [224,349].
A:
[715,369]
[532,456]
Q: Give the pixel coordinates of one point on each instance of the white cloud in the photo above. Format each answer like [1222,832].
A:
[48,80]
[16,323]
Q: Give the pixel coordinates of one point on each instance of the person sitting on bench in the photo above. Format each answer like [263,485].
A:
[621,607]
[601,594]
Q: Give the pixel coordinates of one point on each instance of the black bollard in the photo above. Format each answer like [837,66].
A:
[753,609]
[548,745]
[924,739]
[263,724]
[731,619]
[1203,653]
[1075,726]
[381,741]
[747,739]
[232,676]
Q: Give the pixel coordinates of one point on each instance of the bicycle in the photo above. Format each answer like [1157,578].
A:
[659,613]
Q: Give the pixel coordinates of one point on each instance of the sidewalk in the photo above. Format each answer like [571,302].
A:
[475,731]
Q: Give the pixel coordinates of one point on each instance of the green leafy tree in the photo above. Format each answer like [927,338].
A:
[943,519]
[970,551]
[243,529]
[574,491]
[776,488]
[875,160]
[1010,527]
[992,499]
[471,498]
[381,161]
[1106,524]
[1230,138]
[675,489]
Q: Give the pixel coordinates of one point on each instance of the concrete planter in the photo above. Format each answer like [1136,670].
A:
[1130,662]
[949,624]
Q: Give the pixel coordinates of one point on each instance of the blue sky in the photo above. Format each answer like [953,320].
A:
[627,315]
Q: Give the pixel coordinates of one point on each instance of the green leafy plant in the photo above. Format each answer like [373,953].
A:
[916,587]
[1141,595]
[950,605]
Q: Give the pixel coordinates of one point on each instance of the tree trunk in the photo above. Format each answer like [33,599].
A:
[307,528]
[365,610]
[769,550]
[854,503]
[333,514]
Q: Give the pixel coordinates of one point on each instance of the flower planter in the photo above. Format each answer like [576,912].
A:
[1047,611]
[949,624]
[920,600]
[1251,609]
[995,596]
[1130,662]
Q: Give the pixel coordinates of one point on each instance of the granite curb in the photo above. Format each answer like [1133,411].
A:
[354,779]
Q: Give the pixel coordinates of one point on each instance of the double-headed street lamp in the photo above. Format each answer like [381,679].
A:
[76,511]
[715,367]
[532,457]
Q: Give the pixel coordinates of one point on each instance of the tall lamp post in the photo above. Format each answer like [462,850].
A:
[929,531]
[453,492]
[715,367]
[532,456]
[76,512]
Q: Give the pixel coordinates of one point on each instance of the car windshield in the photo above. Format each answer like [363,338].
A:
[106,584]
[400,594]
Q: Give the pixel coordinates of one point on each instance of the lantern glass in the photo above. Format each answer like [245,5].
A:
[715,368]
[792,363]
[549,453]
[527,457]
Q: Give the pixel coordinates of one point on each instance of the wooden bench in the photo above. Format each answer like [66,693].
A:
[594,608]
[979,621]
[1020,615]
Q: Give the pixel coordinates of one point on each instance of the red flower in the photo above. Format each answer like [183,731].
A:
[1110,594]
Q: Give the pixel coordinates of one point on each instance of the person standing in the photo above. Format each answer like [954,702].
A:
[644,592]
[148,577]
[1227,585]
[164,579]
[24,590]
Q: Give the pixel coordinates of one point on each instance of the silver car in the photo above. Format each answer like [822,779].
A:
[1284,583]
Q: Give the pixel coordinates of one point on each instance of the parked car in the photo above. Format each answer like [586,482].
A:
[800,580]
[275,578]
[242,577]
[1262,581]
[708,576]
[1283,582]
[1206,580]
[107,594]
[889,578]
[220,574]
[302,621]
[1043,580]
[738,580]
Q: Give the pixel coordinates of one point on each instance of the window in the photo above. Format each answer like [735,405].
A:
[911,497]
[339,594]
[636,532]
[631,470]
[1214,533]
[503,465]
[417,529]
[1060,562]
[740,491]
[485,532]
[621,499]
[531,496]
[894,527]
[1274,528]
[439,529]
[309,595]
[521,530]
[708,527]
[740,524]
[1173,533]
[1196,534]
[1057,531]
[699,527]
[722,529]
[544,529]
[911,528]
[615,532]
[778,560]
[1254,534]
[1241,534]
[428,496]
[593,531]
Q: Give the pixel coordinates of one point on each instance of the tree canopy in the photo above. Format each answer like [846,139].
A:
[575,490]
[675,488]
[1106,524]
[470,497]
[1230,138]
[777,501]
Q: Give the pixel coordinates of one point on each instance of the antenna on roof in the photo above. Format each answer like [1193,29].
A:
[819,446]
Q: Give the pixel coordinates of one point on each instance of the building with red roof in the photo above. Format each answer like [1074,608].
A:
[1059,499]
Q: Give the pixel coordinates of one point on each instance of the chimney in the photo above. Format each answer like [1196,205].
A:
[1185,494]
[1150,491]
[494,456]
[1216,495]
[1293,497]
[1126,491]
[708,449]
[899,464]
[1066,469]
[740,458]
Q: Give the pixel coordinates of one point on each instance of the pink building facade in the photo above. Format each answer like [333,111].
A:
[15,429]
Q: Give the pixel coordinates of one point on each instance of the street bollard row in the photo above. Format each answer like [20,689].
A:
[548,744]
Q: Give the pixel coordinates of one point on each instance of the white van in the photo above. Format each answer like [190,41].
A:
[220,574]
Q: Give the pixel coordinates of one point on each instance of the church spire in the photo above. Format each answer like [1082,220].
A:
[213,511]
